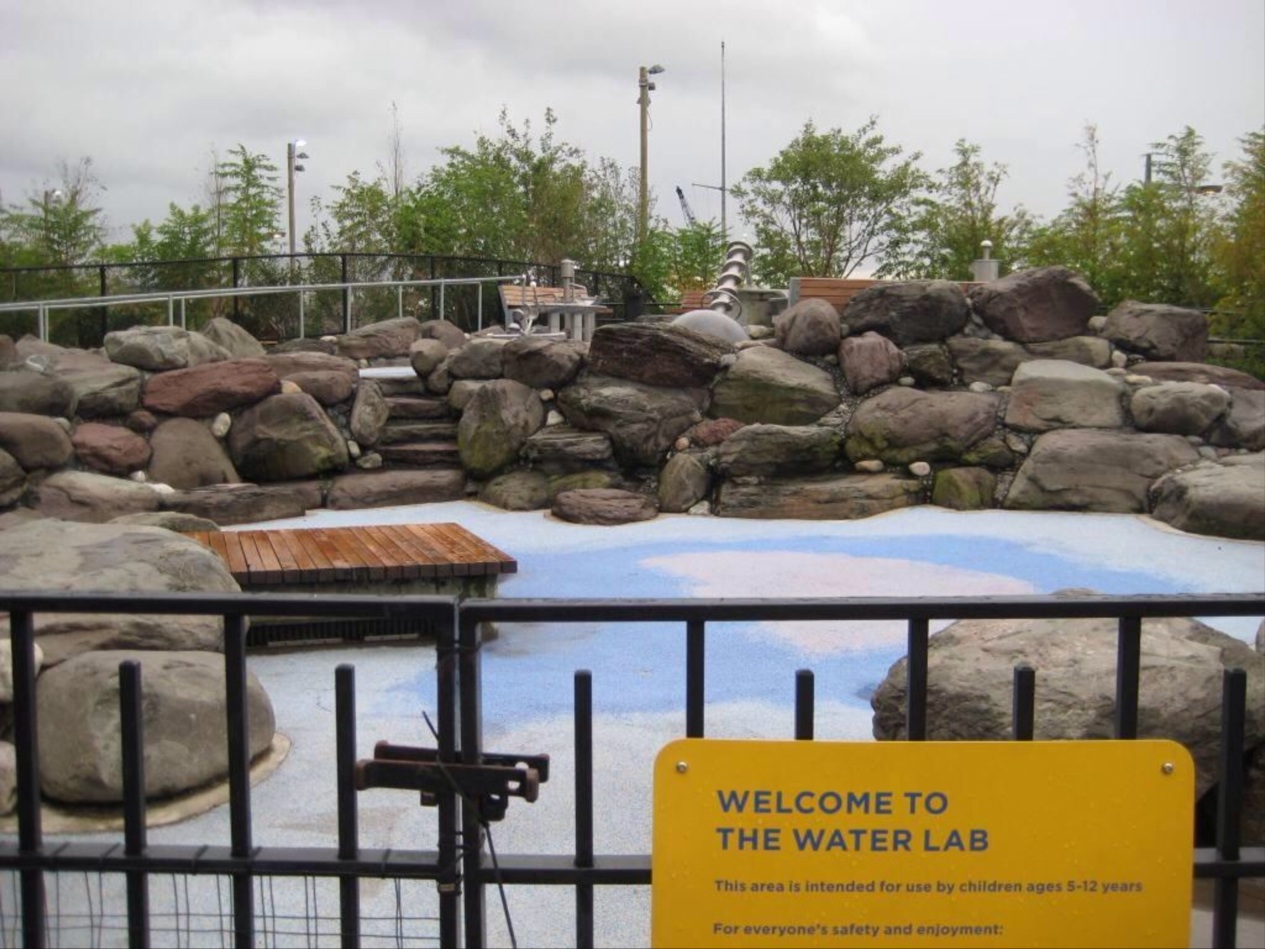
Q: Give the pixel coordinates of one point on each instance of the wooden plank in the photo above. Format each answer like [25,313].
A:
[464,543]
[425,557]
[236,558]
[324,568]
[273,572]
[309,572]
[490,553]
[389,555]
[368,564]
[342,567]
[291,572]
[254,566]
[450,560]
[463,564]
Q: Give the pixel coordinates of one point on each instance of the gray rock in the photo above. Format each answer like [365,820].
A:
[642,421]
[825,497]
[517,490]
[916,311]
[1032,306]
[12,479]
[8,352]
[234,340]
[8,778]
[386,339]
[664,355]
[1244,426]
[286,437]
[104,389]
[930,366]
[176,521]
[1086,350]
[448,333]
[244,503]
[368,413]
[772,450]
[1197,372]
[1048,394]
[1178,408]
[1157,331]
[185,715]
[6,668]
[186,455]
[496,424]
[768,385]
[57,555]
[462,391]
[993,361]
[809,328]
[562,449]
[1086,470]
[971,671]
[388,488]
[1221,500]
[869,361]
[89,497]
[477,359]
[684,481]
[542,363]
[712,324]
[603,506]
[900,426]
[425,355]
[964,489]
[155,348]
[36,393]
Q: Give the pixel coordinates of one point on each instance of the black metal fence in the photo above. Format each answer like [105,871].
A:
[470,787]
[276,317]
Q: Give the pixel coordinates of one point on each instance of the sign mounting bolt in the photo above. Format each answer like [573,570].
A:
[1168,767]
[682,767]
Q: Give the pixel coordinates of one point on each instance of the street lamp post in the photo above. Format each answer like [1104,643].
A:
[292,154]
[643,196]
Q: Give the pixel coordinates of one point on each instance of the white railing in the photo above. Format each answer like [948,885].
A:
[172,298]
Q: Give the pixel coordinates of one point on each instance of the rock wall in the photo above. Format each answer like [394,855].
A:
[1015,396]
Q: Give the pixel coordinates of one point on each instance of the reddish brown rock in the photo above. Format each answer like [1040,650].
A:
[328,379]
[34,441]
[210,388]
[110,449]
[603,506]
[712,431]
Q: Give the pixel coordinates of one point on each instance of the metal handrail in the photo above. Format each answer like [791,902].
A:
[171,297]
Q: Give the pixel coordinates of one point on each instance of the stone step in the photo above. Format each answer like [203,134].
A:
[395,432]
[419,407]
[421,454]
[391,386]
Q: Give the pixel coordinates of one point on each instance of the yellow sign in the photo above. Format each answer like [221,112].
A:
[815,843]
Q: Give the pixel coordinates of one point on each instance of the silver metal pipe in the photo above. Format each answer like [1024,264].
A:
[723,298]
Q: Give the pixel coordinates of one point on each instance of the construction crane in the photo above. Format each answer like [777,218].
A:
[685,206]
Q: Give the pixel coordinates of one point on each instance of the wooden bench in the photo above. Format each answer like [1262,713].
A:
[836,291]
[576,319]
[690,300]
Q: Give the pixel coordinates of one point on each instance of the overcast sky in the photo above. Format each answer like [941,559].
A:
[149,88]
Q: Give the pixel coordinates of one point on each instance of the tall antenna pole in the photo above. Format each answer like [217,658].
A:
[724,193]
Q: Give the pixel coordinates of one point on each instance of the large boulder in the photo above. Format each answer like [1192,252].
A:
[809,328]
[542,363]
[964,489]
[1244,425]
[104,389]
[603,506]
[1159,332]
[245,503]
[916,311]
[1224,500]
[328,379]
[388,488]
[87,496]
[1178,408]
[34,441]
[110,449]
[445,331]
[684,481]
[824,497]
[425,355]
[12,479]
[185,718]
[563,449]
[285,437]
[642,421]
[519,490]
[657,354]
[900,426]
[970,675]
[233,339]
[116,558]
[1197,372]
[1051,393]
[387,339]
[768,385]
[479,358]
[186,455]
[36,393]
[771,450]
[869,361]
[207,390]
[157,348]
[1030,306]
[994,361]
[496,424]
[8,352]
[369,413]
[1087,470]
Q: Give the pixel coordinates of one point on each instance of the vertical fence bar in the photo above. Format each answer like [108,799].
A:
[584,805]
[171,311]
[239,775]
[103,312]
[1023,713]
[399,301]
[302,318]
[479,305]
[132,723]
[469,666]
[695,690]
[41,323]
[27,755]
[805,700]
[916,682]
[449,882]
[183,322]
[348,823]
[1128,675]
[237,282]
[442,287]
[1225,901]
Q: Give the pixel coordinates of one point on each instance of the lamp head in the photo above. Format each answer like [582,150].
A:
[655,70]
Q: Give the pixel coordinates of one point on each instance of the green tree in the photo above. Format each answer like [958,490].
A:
[828,202]
[1239,255]
[180,243]
[251,202]
[60,225]
[952,221]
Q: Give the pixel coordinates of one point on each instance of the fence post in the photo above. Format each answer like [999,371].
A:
[237,282]
[27,755]
[584,805]
[1229,803]
[348,823]
[103,313]
[449,879]
[346,294]
[238,727]
[469,678]
[132,726]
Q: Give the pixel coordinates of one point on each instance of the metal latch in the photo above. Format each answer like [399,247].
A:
[491,783]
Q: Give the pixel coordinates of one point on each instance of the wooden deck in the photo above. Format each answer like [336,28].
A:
[332,554]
